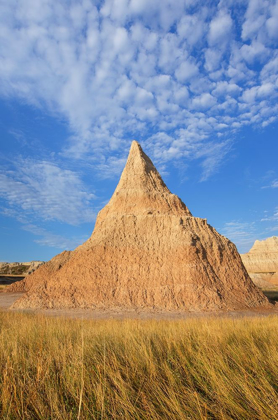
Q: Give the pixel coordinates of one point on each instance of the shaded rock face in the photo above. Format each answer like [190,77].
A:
[261,262]
[146,251]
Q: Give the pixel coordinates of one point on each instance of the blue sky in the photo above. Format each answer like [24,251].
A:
[195,82]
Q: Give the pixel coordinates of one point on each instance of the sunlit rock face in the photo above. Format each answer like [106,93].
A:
[147,251]
[261,262]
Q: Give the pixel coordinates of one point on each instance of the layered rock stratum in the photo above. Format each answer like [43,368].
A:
[261,262]
[147,251]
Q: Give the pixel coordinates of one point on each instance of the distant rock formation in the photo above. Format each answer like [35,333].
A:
[147,252]
[261,262]
[19,269]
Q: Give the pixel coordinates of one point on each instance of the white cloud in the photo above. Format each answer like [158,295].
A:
[110,167]
[45,190]
[128,69]
[271,23]
[181,95]
[192,27]
[255,18]
[258,92]
[204,101]
[274,184]
[220,28]
[271,67]
[212,58]
[142,35]
[243,234]
[120,39]
[213,156]
[224,88]
[187,144]
[159,14]
[272,218]
[256,50]
[53,240]
[186,71]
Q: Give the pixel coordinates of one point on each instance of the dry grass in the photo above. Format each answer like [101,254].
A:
[53,368]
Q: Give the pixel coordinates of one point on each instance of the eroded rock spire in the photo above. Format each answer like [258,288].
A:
[141,190]
[147,252]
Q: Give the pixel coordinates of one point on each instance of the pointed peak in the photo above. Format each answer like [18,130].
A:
[136,153]
[140,172]
[135,147]
[141,189]
[136,150]
[138,162]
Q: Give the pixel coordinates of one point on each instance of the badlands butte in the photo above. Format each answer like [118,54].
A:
[147,251]
[261,262]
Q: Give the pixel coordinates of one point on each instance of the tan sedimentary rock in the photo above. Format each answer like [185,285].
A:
[146,251]
[261,262]
[46,271]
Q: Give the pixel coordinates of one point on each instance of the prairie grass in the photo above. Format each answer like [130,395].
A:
[55,368]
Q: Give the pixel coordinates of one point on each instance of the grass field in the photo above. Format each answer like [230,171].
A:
[54,368]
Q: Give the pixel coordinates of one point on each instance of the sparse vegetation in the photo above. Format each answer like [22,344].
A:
[53,368]
[18,270]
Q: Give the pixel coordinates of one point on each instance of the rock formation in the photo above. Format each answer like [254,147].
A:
[261,262]
[47,269]
[146,251]
[19,269]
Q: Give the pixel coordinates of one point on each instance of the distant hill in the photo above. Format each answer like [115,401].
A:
[19,269]
[261,262]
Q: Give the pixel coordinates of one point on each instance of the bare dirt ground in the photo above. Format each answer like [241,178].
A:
[7,299]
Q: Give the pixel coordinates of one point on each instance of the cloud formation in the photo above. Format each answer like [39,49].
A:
[124,69]
[243,234]
[42,189]
[51,239]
